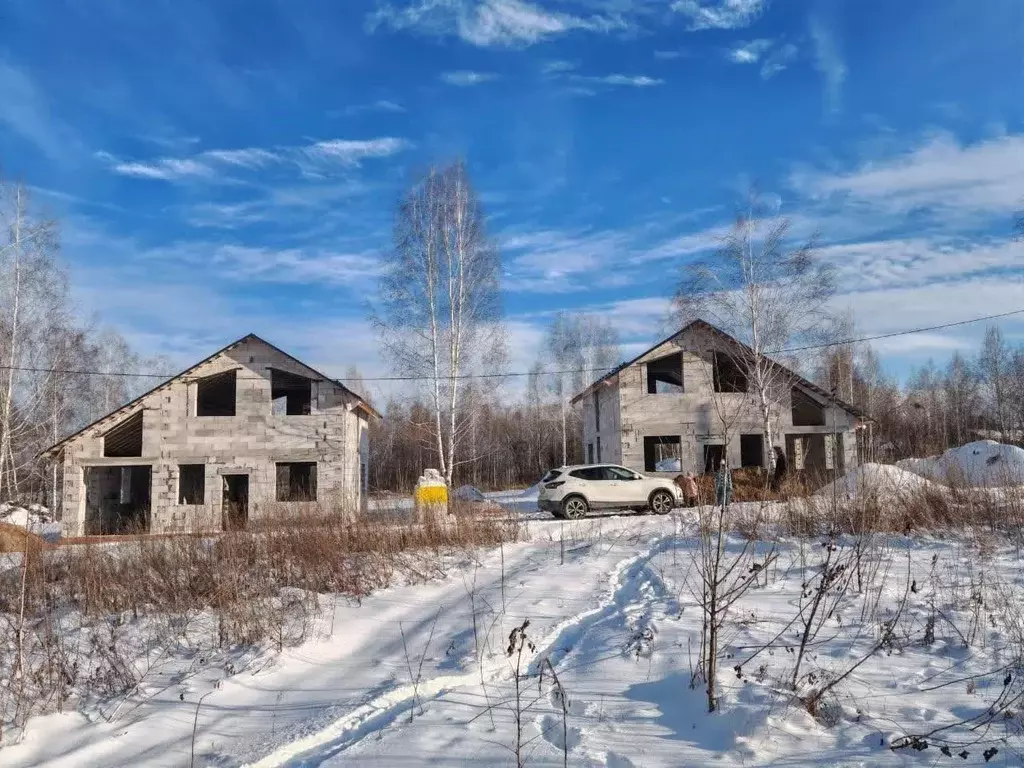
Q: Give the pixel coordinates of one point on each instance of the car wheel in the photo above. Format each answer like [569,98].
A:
[575,507]
[662,502]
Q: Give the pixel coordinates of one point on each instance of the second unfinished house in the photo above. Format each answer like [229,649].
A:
[663,412]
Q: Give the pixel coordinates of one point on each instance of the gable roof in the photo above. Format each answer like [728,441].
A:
[361,403]
[704,325]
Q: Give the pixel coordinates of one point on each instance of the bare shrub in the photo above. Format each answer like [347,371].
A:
[253,587]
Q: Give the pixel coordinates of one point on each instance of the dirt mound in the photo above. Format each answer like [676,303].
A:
[14,538]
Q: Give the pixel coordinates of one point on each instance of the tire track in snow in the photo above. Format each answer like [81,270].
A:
[623,586]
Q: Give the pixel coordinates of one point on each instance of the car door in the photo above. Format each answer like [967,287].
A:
[624,486]
[595,486]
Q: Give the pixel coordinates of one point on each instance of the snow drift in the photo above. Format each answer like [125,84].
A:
[876,480]
[984,463]
[34,516]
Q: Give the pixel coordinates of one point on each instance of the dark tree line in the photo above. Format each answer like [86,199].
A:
[939,406]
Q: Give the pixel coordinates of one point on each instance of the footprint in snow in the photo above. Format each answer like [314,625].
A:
[615,760]
[551,728]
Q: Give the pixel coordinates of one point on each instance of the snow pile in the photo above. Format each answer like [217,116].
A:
[982,463]
[34,516]
[669,465]
[876,480]
[469,493]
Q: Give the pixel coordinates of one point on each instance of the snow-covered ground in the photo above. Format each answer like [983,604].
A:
[419,675]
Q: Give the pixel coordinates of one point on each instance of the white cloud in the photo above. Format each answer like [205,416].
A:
[209,165]
[749,52]
[292,265]
[829,62]
[349,152]
[917,261]
[558,66]
[631,81]
[382,105]
[26,112]
[929,305]
[720,14]
[246,158]
[164,169]
[465,77]
[778,60]
[984,177]
[688,244]
[484,23]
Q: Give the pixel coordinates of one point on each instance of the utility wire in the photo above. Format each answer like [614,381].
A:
[828,345]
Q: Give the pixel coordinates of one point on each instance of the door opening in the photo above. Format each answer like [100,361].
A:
[235,505]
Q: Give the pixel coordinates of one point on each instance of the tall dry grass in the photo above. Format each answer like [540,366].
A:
[74,619]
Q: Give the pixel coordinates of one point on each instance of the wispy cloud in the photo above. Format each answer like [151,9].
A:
[291,265]
[557,66]
[26,113]
[829,62]
[667,55]
[382,105]
[918,261]
[720,14]
[352,152]
[773,57]
[940,174]
[484,23]
[778,60]
[465,77]
[629,81]
[164,169]
[749,52]
[213,164]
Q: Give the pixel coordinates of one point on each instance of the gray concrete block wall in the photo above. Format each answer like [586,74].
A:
[250,442]
[610,431]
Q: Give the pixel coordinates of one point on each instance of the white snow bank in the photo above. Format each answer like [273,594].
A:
[669,465]
[34,517]
[982,463]
[881,480]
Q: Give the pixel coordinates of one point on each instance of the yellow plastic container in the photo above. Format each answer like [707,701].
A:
[431,494]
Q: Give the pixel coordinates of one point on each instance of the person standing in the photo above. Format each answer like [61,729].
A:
[781,468]
[689,488]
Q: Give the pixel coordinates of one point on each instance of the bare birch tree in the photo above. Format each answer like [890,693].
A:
[439,310]
[578,349]
[765,294]
[31,289]
[993,367]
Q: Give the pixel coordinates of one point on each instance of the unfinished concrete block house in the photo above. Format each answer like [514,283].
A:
[662,412]
[248,432]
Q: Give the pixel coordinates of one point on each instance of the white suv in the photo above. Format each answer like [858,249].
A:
[574,491]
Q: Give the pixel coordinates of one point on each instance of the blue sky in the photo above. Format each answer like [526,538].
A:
[226,167]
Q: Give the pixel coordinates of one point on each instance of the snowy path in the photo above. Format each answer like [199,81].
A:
[622,589]
[342,687]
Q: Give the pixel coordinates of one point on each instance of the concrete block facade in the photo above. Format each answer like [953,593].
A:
[250,443]
[620,412]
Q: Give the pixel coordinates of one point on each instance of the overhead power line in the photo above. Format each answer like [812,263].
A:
[789,350]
